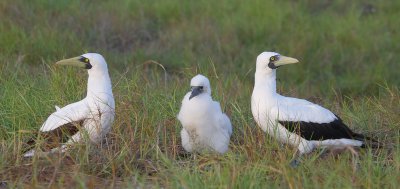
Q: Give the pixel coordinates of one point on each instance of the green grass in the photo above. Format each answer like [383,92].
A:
[349,64]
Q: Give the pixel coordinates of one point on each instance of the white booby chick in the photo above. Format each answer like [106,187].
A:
[90,118]
[205,127]
[300,123]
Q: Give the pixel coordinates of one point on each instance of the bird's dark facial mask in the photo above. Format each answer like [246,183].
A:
[196,90]
[279,60]
[86,61]
[272,60]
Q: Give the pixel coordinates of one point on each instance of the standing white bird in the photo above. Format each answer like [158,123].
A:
[205,127]
[90,118]
[300,123]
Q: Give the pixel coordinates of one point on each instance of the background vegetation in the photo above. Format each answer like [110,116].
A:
[349,64]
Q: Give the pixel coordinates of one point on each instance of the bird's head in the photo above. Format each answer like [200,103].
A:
[199,85]
[267,62]
[90,61]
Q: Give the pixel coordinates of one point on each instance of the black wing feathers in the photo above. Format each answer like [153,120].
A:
[56,137]
[321,131]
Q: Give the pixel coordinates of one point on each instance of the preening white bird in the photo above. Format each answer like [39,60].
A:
[205,127]
[89,118]
[297,122]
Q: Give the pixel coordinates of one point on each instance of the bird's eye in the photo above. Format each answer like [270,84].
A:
[273,58]
[201,87]
[86,60]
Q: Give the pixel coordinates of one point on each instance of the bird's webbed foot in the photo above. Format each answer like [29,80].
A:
[295,163]
[296,160]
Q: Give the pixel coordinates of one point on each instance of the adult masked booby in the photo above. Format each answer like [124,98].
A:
[297,122]
[205,127]
[89,118]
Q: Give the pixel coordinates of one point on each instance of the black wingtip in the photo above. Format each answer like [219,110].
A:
[30,144]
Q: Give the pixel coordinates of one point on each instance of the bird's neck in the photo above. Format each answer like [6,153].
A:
[99,85]
[266,82]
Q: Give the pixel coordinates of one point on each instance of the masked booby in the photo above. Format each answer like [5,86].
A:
[205,127]
[90,118]
[298,122]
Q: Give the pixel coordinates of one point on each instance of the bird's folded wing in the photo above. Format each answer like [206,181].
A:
[71,113]
[223,120]
[311,121]
[225,123]
[302,111]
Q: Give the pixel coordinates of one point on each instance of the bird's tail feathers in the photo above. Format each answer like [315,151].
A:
[33,152]
[368,142]
[29,153]
[29,147]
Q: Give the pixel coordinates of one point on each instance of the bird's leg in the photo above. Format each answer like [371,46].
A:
[323,152]
[3,184]
[295,162]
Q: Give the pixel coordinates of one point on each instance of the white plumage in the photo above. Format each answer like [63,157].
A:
[205,127]
[93,116]
[297,122]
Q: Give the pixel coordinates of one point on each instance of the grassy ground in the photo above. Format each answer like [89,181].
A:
[348,64]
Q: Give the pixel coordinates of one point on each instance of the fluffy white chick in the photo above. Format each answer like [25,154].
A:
[205,127]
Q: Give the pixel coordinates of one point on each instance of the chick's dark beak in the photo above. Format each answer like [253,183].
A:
[196,91]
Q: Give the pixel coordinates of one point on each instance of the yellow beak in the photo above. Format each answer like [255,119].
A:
[283,60]
[72,62]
